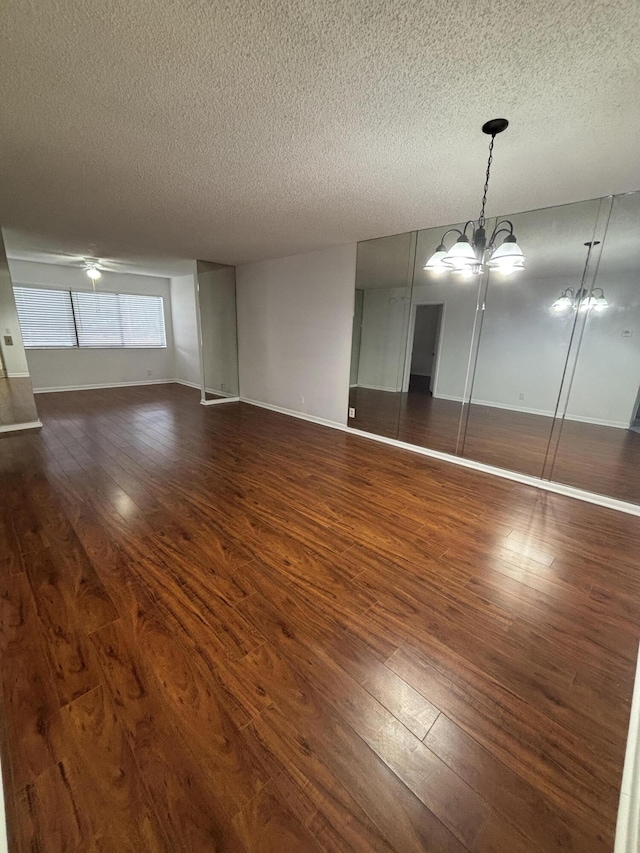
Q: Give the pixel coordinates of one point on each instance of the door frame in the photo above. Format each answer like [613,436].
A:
[409,349]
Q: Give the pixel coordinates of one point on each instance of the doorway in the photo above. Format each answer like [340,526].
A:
[421,367]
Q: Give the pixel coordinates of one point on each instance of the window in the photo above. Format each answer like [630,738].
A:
[46,317]
[62,318]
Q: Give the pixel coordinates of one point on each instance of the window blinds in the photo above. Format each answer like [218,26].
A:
[46,317]
[61,318]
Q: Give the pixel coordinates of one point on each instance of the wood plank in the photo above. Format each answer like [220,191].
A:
[115,800]
[68,649]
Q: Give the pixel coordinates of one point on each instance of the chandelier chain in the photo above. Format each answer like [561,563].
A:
[481,220]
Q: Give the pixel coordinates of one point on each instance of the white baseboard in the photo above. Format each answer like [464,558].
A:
[221,393]
[294,414]
[184,382]
[18,427]
[598,422]
[536,482]
[217,402]
[545,413]
[628,825]
[104,385]
[378,388]
[17,375]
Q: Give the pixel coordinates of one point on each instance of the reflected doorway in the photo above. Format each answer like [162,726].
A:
[421,367]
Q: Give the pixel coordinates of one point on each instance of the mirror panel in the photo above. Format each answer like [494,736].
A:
[381,311]
[524,345]
[17,403]
[599,444]
[440,335]
[218,330]
[517,372]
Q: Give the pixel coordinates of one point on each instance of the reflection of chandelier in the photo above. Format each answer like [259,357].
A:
[467,255]
[582,298]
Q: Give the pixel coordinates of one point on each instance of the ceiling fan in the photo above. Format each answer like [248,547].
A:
[94,267]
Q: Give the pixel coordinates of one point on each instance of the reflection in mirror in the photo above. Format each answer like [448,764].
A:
[440,333]
[381,312]
[218,330]
[599,445]
[523,345]
[17,403]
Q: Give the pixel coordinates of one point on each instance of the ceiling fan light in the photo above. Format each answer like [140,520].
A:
[434,264]
[93,272]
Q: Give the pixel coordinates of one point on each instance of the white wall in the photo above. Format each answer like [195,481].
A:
[185,329]
[384,333]
[356,336]
[77,368]
[217,298]
[13,357]
[523,347]
[294,331]
[607,378]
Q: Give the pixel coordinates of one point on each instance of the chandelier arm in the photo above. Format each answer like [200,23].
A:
[450,231]
[468,223]
[498,230]
[496,233]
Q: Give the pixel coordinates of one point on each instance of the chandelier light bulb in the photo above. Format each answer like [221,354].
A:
[461,257]
[562,303]
[434,264]
[508,257]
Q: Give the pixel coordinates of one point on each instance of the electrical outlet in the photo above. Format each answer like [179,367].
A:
[149,372]
[301,400]
[520,396]
[223,386]
[626,333]
[352,412]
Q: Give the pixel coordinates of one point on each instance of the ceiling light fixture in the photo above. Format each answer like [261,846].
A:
[471,255]
[581,298]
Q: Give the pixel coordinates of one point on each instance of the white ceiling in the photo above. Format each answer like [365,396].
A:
[152,131]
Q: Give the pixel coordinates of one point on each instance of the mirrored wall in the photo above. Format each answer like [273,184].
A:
[17,403]
[216,301]
[536,372]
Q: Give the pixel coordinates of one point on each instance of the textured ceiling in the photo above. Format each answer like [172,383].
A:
[238,131]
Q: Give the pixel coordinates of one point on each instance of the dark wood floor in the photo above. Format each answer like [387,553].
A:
[600,459]
[225,629]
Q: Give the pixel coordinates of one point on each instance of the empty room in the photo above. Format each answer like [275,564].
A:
[319,427]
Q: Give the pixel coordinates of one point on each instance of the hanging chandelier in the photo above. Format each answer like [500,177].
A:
[582,298]
[472,253]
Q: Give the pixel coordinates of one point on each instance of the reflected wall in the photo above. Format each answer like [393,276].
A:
[599,440]
[218,331]
[384,270]
[17,403]
[501,369]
